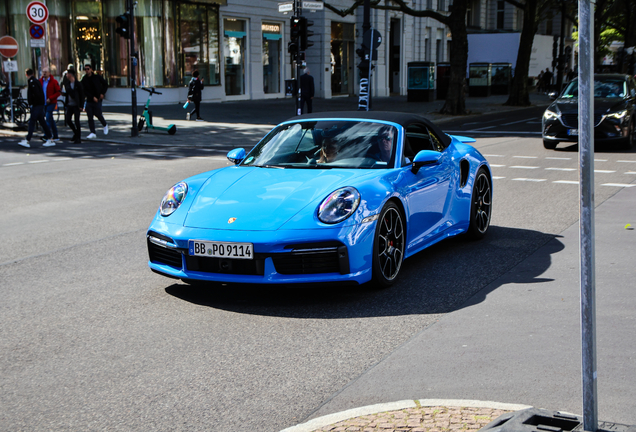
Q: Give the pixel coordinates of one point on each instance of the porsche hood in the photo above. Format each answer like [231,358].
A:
[261,199]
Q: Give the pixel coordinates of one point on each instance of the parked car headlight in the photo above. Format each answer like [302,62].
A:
[173,199]
[339,205]
[617,115]
[550,115]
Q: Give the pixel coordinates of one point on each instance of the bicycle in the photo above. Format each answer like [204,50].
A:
[20,107]
[58,112]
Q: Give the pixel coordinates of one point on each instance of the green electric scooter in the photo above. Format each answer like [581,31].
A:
[146,116]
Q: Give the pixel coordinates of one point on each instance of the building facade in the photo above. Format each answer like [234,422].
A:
[239,47]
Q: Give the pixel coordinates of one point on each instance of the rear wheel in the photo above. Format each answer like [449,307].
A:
[481,206]
[388,246]
[550,145]
[141,123]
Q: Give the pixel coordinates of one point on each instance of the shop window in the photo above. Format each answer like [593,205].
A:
[235,40]
[272,56]
[198,35]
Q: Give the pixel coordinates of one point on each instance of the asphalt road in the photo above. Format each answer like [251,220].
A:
[90,339]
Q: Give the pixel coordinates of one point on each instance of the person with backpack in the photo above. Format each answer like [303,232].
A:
[194,95]
[36,100]
[95,88]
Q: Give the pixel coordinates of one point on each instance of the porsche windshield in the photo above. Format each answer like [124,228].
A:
[603,88]
[326,144]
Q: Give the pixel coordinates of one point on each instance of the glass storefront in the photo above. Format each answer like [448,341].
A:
[235,40]
[173,38]
[342,49]
[272,57]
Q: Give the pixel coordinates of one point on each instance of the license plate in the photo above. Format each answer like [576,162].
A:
[573,131]
[221,249]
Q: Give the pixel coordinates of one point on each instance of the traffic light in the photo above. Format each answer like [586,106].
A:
[305,33]
[123,21]
[294,36]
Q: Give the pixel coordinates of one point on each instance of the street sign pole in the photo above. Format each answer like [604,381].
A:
[298,12]
[133,61]
[587,250]
[11,96]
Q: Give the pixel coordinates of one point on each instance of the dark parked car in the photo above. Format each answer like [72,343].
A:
[614,104]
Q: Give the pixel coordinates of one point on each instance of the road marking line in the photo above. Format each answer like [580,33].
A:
[524,167]
[604,171]
[37,161]
[558,158]
[518,121]
[630,172]
[526,157]
[14,164]
[498,178]
[600,160]
[491,155]
[496,166]
[561,169]
[61,159]
[566,182]
[618,185]
[530,180]
[626,161]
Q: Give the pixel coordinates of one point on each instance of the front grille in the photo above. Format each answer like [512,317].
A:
[572,120]
[311,261]
[162,255]
[255,267]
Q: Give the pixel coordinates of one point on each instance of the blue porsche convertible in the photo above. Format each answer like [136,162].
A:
[329,197]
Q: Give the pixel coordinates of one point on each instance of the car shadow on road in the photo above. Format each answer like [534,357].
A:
[443,278]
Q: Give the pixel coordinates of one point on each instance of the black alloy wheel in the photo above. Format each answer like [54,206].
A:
[388,246]
[481,206]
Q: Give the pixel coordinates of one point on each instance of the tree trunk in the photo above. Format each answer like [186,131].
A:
[455,98]
[519,94]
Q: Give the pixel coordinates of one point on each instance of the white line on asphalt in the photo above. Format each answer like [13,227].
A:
[618,185]
[626,161]
[566,182]
[530,180]
[61,159]
[630,172]
[600,160]
[561,169]
[518,121]
[491,155]
[498,178]
[558,158]
[524,167]
[604,171]
[526,157]
[496,166]
[37,161]
[14,164]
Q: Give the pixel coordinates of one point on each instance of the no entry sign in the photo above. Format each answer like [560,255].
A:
[37,12]
[8,46]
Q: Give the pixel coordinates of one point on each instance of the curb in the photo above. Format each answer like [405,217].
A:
[328,419]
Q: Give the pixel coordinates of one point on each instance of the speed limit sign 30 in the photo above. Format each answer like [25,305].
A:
[37,12]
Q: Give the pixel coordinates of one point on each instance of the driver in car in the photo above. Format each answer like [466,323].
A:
[328,151]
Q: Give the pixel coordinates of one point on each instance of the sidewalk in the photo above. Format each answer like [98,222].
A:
[518,340]
[243,123]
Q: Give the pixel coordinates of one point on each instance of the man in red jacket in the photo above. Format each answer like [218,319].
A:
[51,92]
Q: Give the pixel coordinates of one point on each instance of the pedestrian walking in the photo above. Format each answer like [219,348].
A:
[306,91]
[36,101]
[73,101]
[95,88]
[547,79]
[540,82]
[52,91]
[194,95]
[64,79]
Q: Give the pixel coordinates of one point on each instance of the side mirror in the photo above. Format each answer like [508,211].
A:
[553,95]
[236,156]
[425,157]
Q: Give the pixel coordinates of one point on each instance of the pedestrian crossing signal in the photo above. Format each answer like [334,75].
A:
[123,21]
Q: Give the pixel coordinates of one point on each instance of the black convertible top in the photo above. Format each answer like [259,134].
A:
[403,119]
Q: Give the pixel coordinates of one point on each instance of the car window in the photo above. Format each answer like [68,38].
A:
[418,138]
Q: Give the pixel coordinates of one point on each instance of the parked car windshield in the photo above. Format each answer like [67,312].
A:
[326,144]
[603,88]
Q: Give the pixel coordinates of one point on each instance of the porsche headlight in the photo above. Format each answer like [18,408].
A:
[550,115]
[339,205]
[173,199]
[617,115]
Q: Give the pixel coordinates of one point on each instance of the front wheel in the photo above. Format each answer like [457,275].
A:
[481,206]
[388,246]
